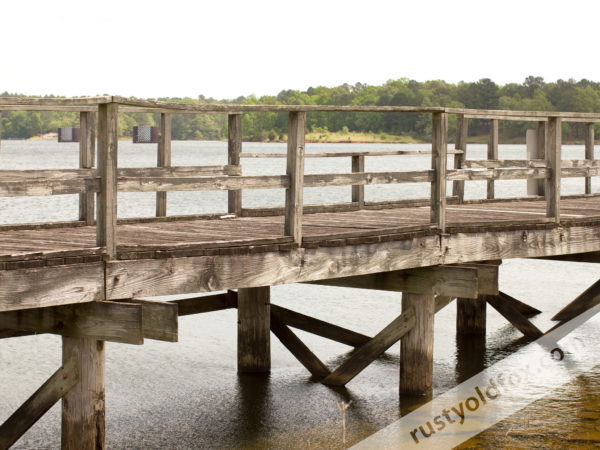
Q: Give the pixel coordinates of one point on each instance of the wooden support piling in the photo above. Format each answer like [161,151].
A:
[87,150]
[234,148]
[295,172]
[462,131]
[589,152]
[512,314]
[254,348]
[106,212]
[439,127]
[163,160]
[358,191]
[553,158]
[492,152]
[416,347]
[470,316]
[83,407]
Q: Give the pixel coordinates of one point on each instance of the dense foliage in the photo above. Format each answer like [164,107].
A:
[533,94]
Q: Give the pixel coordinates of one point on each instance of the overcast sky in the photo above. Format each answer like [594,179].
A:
[225,49]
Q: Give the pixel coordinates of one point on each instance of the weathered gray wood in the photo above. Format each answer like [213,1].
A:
[0,130]
[207,303]
[451,281]
[177,172]
[370,351]
[462,131]
[553,156]
[83,407]
[48,187]
[441,301]
[512,314]
[50,286]
[439,150]
[497,174]
[319,327]
[504,164]
[541,151]
[295,173]
[209,183]
[108,321]
[234,148]
[492,152]
[46,175]
[348,154]
[126,279]
[358,179]
[39,403]
[163,159]
[87,156]
[416,347]
[487,278]
[523,308]
[159,319]
[106,211]
[302,353]
[254,348]
[57,102]
[580,163]
[589,152]
[586,300]
[358,191]
[470,315]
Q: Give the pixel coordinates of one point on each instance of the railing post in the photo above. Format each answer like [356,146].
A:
[589,152]
[106,212]
[234,148]
[163,160]
[0,130]
[553,159]
[492,152]
[87,147]
[439,131]
[358,191]
[295,171]
[462,130]
[541,151]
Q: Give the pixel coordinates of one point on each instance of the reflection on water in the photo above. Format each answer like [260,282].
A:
[189,395]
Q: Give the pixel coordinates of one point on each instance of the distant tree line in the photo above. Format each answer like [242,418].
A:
[533,94]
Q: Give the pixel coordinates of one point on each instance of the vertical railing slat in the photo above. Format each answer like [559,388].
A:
[358,191]
[295,171]
[439,131]
[553,159]
[87,147]
[234,148]
[589,152]
[163,160]
[106,212]
[462,130]
[492,152]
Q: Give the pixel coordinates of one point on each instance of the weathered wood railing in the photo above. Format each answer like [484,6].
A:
[108,179]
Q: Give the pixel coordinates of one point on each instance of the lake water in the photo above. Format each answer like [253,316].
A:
[188,394]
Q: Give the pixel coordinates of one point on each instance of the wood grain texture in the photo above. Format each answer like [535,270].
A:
[163,159]
[370,351]
[39,403]
[201,183]
[416,346]
[234,149]
[83,407]
[589,152]
[505,164]
[439,148]
[106,211]
[295,172]
[523,308]
[87,159]
[541,151]
[207,303]
[116,322]
[297,348]
[512,314]
[159,319]
[553,157]
[37,288]
[358,192]
[319,327]
[254,314]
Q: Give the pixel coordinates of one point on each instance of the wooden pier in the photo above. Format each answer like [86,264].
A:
[89,280]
